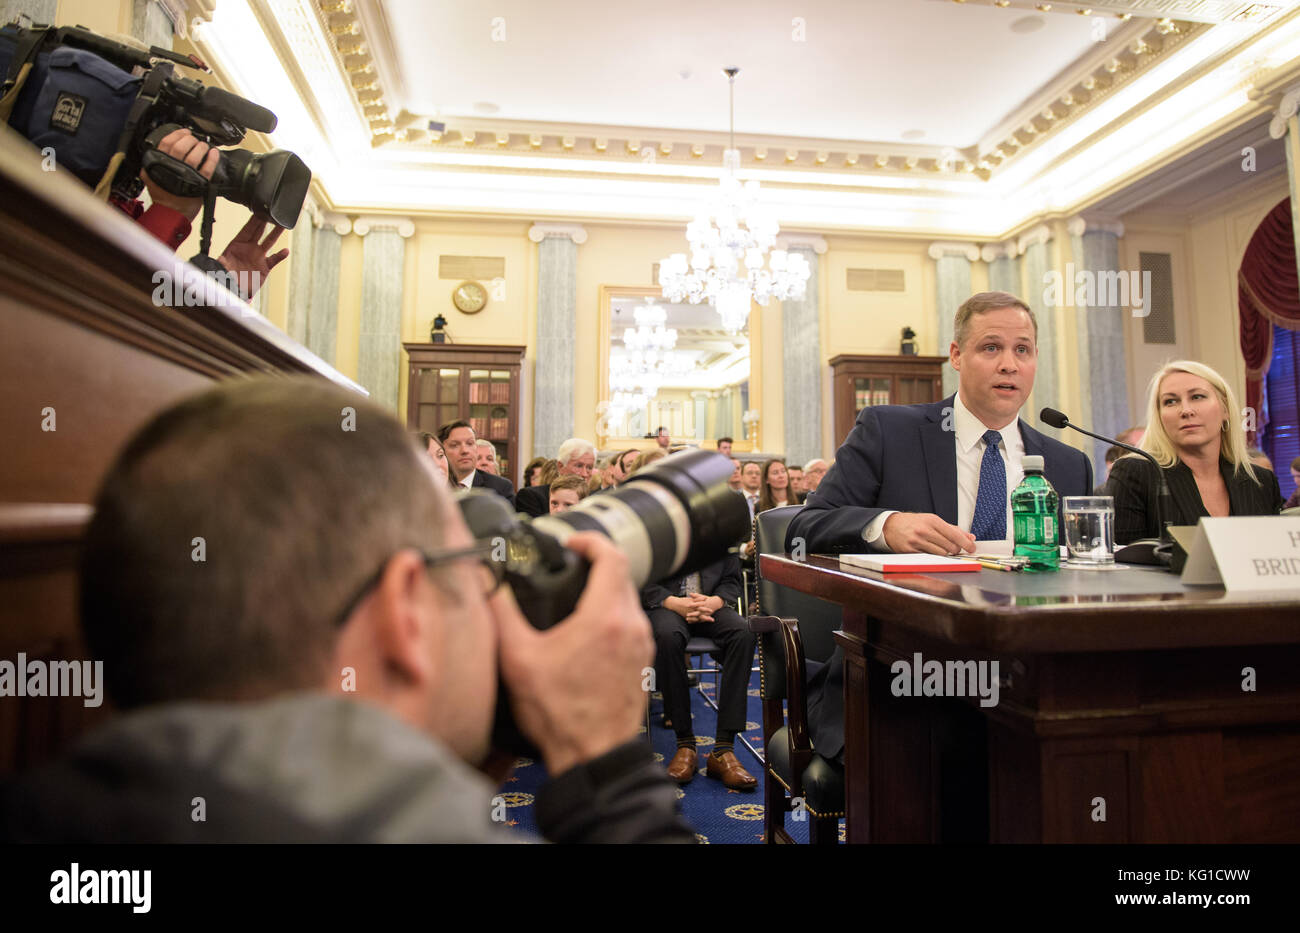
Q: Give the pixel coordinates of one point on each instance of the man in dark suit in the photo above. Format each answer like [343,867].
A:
[702,604]
[461,447]
[936,478]
[576,457]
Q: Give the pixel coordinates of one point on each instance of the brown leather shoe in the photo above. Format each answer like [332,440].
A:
[727,769]
[682,768]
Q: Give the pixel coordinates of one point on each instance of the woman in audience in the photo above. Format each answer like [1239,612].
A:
[775,491]
[645,459]
[1195,435]
[533,472]
[429,444]
[566,492]
[550,470]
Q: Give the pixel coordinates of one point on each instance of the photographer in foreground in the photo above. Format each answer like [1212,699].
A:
[306,643]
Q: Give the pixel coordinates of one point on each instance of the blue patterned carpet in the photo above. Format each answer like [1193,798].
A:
[719,815]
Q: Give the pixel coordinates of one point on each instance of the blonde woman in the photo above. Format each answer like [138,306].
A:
[1194,432]
[647,458]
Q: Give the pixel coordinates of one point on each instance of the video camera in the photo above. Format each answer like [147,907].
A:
[79,93]
[674,517]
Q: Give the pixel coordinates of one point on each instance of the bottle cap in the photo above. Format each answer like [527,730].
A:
[1032,462]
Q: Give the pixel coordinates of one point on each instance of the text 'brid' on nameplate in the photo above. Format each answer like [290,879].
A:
[1249,552]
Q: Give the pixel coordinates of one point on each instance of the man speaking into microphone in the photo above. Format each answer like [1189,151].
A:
[937,477]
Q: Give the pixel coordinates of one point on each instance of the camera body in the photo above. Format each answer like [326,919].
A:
[82,99]
[677,516]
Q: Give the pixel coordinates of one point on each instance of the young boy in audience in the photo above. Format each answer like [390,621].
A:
[566,492]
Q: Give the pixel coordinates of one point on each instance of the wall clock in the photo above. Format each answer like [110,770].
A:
[469,297]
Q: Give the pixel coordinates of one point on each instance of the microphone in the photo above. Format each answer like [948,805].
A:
[1155,551]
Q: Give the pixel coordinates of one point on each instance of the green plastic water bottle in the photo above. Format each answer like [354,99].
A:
[1033,509]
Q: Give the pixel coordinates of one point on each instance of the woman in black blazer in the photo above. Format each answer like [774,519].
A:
[1195,436]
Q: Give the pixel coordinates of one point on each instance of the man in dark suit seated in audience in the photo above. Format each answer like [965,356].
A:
[327,669]
[702,604]
[461,447]
[576,458]
[935,478]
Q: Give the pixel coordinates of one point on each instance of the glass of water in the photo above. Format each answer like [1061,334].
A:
[1090,529]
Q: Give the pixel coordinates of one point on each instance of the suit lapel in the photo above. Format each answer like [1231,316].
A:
[940,449]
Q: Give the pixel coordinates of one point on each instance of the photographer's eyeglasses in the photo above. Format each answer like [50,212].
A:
[496,573]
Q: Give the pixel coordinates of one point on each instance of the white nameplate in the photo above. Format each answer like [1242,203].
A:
[1247,552]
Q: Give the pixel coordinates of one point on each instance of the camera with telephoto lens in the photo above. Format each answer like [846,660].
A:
[676,516]
[104,106]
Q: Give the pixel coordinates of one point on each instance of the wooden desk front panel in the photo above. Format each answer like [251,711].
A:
[1162,735]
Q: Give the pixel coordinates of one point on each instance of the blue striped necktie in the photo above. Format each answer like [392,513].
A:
[990,522]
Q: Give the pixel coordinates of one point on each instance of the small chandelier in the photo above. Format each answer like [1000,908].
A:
[732,230]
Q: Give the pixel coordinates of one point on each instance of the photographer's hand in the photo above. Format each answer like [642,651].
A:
[182,145]
[247,253]
[576,689]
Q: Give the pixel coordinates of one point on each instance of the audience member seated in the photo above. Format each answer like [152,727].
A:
[576,458]
[620,467]
[1132,436]
[458,441]
[703,604]
[487,457]
[936,477]
[724,446]
[775,487]
[533,472]
[813,471]
[796,482]
[566,492]
[734,482]
[1195,436]
[646,458]
[428,443]
[1294,501]
[1113,453]
[328,671]
[663,439]
[1260,459]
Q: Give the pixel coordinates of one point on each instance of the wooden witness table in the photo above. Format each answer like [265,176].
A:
[1121,694]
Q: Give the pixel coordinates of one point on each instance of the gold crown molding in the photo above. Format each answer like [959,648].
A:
[1205,11]
[1135,51]
[658,146]
[350,33]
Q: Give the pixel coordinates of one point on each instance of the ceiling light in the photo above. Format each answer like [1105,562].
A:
[732,231]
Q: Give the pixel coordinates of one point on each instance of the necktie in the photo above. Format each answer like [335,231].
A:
[990,522]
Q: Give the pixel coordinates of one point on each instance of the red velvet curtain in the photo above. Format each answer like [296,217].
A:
[1268,293]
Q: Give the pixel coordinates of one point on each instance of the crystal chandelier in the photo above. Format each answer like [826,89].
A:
[731,231]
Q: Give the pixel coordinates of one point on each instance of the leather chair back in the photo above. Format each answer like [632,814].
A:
[817,617]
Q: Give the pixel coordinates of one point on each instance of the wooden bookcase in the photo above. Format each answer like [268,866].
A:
[469,382]
[859,381]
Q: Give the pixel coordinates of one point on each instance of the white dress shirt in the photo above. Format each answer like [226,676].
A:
[970,454]
[468,481]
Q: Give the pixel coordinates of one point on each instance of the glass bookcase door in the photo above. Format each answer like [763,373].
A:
[439,394]
[489,410]
[870,391]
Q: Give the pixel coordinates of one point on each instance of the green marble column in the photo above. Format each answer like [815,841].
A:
[801,351]
[383,268]
[952,263]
